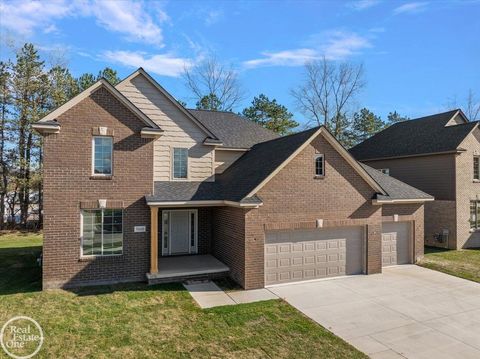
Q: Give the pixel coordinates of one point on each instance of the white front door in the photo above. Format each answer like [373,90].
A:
[179,232]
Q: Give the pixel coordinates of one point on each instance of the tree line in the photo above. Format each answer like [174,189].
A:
[29,89]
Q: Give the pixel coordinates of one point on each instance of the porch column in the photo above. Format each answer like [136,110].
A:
[153,240]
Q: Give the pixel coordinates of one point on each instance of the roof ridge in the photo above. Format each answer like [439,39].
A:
[425,117]
[290,135]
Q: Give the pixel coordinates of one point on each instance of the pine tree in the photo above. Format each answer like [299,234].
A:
[5,103]
[110,75]
[85,81]
[30,91]
[366,124]
[270,114]
[62,86]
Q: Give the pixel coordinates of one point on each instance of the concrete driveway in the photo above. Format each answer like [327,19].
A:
[407,311]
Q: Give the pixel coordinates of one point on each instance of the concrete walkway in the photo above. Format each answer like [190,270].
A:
[209,295]
[405,312]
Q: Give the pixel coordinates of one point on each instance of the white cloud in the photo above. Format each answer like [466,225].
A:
[128,17]
[412,7]
[213,16]
[363,4]
[26,16]
[296,57]
[334,45]
[161,64]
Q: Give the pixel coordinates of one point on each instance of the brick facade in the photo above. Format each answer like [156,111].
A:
[467,189]
[295,199]
[68,185]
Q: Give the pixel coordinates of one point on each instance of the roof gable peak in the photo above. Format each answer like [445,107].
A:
[141,72]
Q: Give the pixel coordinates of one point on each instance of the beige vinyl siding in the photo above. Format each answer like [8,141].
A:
[179,131]
[224,159]
[434,174]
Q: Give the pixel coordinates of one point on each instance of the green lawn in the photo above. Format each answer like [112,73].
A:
[136,320]
[464,263]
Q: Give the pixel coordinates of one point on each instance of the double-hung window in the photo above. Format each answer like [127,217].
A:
[319,165]
[102,232]
[180,163]
[476,168]
[102,155]
[474,215]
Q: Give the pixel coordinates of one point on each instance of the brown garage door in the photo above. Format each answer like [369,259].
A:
[396,243]
[297,255]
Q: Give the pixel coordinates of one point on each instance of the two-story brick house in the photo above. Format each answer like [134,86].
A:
[139,188]
[439,154]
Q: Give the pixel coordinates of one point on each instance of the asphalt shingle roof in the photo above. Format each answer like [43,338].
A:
[394,188]
[233,130]
[414,137]
[256,165]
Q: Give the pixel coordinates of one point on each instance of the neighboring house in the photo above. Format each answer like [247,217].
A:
[439,154]
[137,187]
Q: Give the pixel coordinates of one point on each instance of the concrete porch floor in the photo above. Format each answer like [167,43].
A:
[184,266]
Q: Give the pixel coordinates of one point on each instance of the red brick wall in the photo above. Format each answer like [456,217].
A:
[67,182]
[295,198]
[229,240]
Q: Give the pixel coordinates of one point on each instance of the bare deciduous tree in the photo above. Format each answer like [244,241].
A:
[327,93]
[212,80]
[470,106]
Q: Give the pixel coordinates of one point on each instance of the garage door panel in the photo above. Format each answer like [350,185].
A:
[396,243]
[313,254]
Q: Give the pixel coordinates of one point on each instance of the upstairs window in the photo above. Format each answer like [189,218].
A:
[102,155]
[476,168]
[180,163]
[319,166]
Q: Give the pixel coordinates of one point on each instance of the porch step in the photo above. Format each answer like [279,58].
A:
[181,268]
[179,279]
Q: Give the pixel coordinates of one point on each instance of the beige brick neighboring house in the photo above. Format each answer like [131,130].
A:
[438,155]
[139,188]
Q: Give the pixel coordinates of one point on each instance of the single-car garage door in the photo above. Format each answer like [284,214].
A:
[305,254]
[396,243]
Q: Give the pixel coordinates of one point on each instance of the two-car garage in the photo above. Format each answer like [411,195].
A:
[306,254]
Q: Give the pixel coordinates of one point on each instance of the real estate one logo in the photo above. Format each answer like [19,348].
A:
[21,337]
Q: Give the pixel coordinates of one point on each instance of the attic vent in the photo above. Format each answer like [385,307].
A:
[456,120]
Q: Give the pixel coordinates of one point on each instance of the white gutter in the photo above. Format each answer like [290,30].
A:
[401,201]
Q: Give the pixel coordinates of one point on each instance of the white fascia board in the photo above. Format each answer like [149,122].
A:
[84,94]
[401,201]
[202,204]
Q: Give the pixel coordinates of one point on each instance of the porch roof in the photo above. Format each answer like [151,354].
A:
[196,193]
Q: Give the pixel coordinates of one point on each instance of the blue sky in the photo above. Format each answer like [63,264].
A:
[418,55]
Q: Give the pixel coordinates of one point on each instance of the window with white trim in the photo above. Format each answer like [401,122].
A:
[319,165]
[102,155]
[474,215]
[476,168]
[102,232]
[180,163]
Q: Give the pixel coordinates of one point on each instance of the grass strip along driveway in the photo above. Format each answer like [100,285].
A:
[464,263]
[140,321]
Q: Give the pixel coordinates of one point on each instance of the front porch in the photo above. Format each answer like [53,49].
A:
[179,268]
[181,248]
